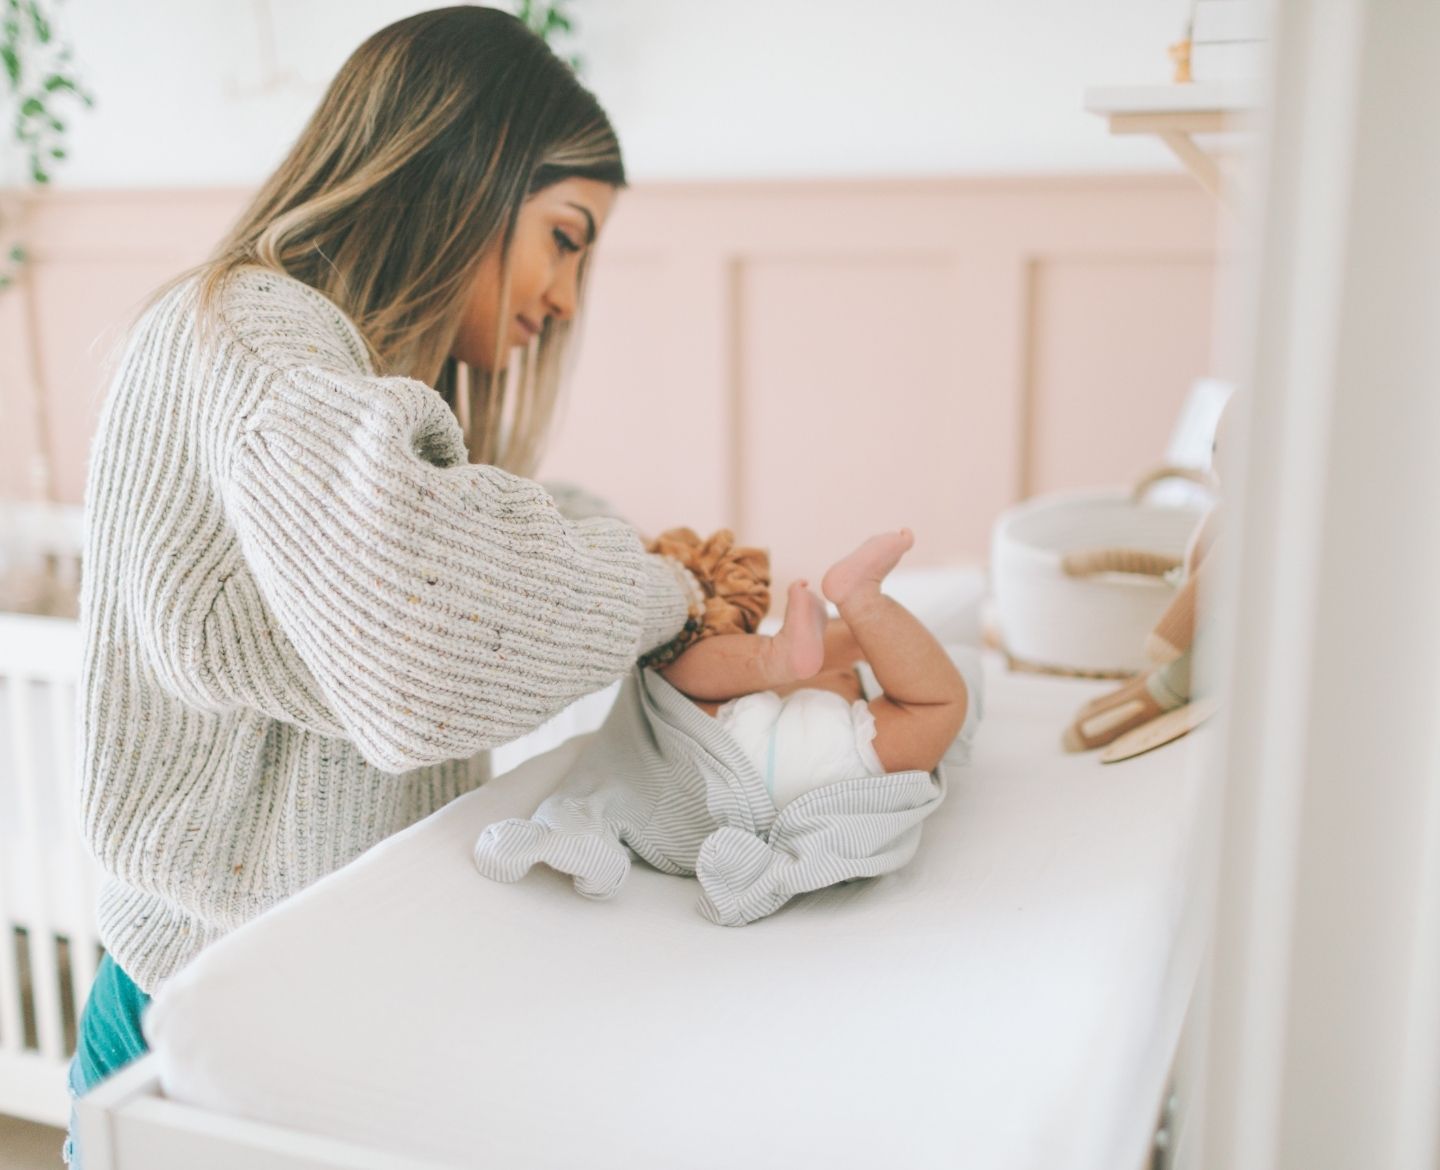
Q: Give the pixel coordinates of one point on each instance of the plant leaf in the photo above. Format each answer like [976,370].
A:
[42,26]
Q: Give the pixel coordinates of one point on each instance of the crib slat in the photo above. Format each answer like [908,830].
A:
[45,972]
[44,977]
[59,863]
[12,1041]
[84,962]
[72,877]
[82,886]
[12,1036]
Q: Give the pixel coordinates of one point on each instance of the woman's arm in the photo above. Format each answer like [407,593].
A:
[442,607]
[578,503]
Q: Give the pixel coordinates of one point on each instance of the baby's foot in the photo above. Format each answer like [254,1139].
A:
[865,568]
[798,649]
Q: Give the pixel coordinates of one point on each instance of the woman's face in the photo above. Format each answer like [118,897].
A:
[555,228]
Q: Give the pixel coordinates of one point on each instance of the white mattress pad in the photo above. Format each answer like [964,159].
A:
[1008,1001]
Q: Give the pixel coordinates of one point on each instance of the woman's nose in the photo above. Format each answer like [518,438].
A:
[563,292]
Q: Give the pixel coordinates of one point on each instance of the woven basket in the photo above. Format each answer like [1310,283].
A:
[1081,578]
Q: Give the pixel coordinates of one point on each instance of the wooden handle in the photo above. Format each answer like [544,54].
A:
[1090,561]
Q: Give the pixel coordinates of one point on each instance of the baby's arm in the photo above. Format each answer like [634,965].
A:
[725,666]
[722,667]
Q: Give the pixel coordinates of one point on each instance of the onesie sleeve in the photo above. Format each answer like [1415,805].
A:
[443,607]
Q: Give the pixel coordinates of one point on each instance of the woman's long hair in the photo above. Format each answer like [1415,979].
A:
[416,162]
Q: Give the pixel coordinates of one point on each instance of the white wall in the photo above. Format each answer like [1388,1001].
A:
[195,93]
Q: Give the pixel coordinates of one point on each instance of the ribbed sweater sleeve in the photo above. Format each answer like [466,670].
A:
[578,503]
[442,607]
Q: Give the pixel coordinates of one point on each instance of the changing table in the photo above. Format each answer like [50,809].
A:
[1010,1000]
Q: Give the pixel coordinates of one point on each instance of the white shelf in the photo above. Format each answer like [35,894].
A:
[1224,97]
[1175,113]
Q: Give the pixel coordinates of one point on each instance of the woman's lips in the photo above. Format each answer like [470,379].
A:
[529,329]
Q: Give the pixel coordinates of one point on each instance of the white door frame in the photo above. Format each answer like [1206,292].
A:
[1321,1004]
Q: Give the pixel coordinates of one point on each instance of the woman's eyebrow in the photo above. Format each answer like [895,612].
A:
[589,221]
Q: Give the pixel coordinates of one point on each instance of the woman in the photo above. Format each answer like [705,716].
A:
[316,589]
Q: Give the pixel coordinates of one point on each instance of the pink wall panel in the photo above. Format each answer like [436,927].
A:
[645,418]
[80,345]
[95,258]
[19,440]
[1114,349]
[856,411]
[805,362]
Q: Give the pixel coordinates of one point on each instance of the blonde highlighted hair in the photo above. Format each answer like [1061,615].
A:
[415,165]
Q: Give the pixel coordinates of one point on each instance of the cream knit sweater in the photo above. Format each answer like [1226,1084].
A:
[306,616]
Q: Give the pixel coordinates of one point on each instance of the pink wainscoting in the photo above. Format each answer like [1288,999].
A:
[804,362]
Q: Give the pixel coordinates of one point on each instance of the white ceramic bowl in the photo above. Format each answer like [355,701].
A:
[1091,624]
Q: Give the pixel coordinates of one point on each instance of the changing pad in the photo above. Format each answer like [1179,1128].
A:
[1009,1000]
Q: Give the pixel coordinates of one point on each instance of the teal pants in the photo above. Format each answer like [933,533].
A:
[110,1038]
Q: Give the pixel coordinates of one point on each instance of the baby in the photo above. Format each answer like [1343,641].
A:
[667,777]
[794,700]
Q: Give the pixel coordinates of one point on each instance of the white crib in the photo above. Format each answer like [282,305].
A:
[48,947]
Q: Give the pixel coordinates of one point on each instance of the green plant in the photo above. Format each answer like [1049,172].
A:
[37,64]
[549,21]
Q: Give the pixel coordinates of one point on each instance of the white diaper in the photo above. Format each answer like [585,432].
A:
[807,738]
[813,737]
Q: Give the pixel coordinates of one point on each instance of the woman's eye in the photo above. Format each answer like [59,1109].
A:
[565,242]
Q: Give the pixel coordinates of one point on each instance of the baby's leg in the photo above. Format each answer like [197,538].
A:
[725,666]
[841,648]
[925,699]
